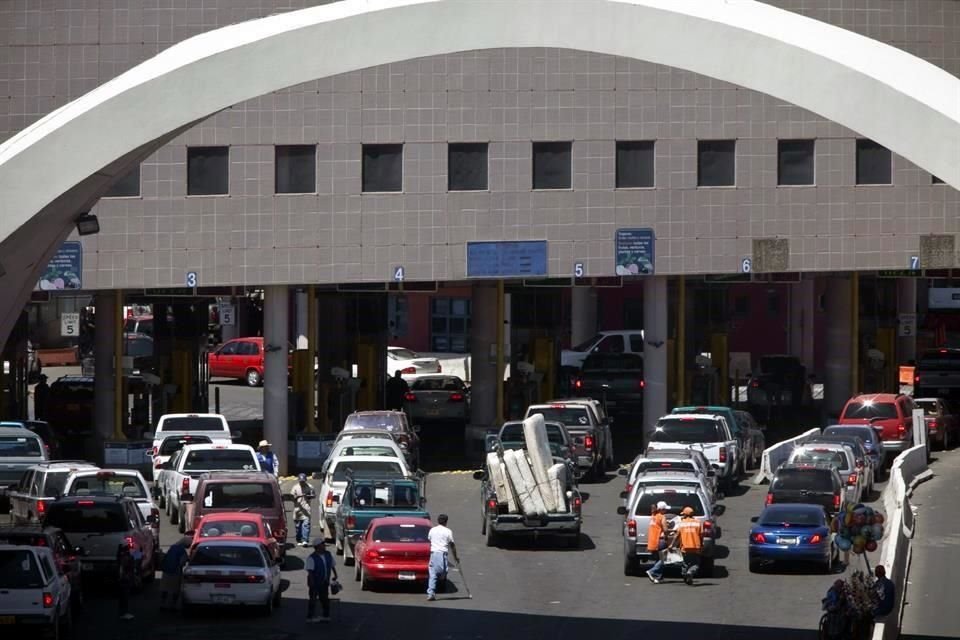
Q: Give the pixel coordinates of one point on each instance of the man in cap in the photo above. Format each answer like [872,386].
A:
[441,544]
[172,566]
[303,496]
[691,543]
[656,540]
[320,568]
[268,459]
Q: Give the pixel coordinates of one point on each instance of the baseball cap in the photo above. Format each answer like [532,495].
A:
[264,443]
[663,505]
[319,542]
[302,477]
[687,511]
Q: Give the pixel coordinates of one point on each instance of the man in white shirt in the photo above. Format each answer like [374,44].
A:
[441,544]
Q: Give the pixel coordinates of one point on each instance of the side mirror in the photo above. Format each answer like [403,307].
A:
[719,510]
[479,475]
[754,519]
[148,453]
[623,472]
[621,511]
[152,519]
[624,495]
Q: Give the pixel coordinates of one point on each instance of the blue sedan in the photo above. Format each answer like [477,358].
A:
[792,533]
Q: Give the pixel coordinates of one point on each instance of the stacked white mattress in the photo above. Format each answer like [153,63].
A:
[528,481]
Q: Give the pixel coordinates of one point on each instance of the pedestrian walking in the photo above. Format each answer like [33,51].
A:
[321,568]
[127,570]
[886,592]
[268,459]
[303,495]
[691,543]
[657,540]
[41,395]
[397,388]
[172,568]
[441,545]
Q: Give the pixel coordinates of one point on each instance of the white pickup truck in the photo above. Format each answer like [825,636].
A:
[708,433]
[178,477]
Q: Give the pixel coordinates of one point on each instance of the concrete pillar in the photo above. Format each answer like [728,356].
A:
[276,303]
[483,340]
[654,350]
[838,371]
[906,303]
[302,312]
[801,323]
[583,314]
[107,316]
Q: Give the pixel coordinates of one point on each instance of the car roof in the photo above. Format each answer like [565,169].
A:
[875,397]
[209,446]
[690,416]
[238,476]
[793,506]
[133,473]
[191,415]
[231,542]
[17,431]
[829,446]
[378,412]
[340,459]
[19,547]
[372,442]
[806,467]
[94,498]
[63,465]
[232,515]
[27,529]
[929,399]
[401,520]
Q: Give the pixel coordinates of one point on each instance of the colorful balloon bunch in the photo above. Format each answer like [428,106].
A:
[859,528]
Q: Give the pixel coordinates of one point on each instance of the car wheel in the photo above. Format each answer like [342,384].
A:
[356,572]
[66,622]
[277,599]
[267,609]
[946,440]
[174,514]
[253,378]
[631,566]
[181,525]
[364,581]
[706,568]
[348,558]
[754,565]
[163,503]
[55,628]
[76,597]
[492,537]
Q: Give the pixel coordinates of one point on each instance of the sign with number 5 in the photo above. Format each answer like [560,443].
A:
[578,270]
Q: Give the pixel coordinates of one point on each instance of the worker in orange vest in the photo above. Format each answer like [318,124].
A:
[656,540]
[691,543]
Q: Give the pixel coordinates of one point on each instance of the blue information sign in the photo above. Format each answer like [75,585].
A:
[635,252]
[522,258]
[65,269]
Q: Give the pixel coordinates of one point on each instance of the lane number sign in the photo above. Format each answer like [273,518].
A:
[746,265]
[191,279]
[914,262]
[399,273]
[578,270]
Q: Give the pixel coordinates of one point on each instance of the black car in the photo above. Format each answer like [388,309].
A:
[807,484]
[66,555]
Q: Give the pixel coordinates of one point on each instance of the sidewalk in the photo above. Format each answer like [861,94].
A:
[931,607]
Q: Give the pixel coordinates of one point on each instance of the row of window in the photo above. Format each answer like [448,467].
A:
[295,166]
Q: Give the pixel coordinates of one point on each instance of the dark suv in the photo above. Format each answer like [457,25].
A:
[66,555]
[807,484]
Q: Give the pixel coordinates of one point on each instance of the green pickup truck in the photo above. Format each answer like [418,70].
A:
[370,496]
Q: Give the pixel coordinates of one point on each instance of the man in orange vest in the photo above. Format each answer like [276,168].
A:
[656,542]
[691,543]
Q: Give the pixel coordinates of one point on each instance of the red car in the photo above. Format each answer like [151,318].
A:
[890,415]
[393,549]
[241,358]
[249,526]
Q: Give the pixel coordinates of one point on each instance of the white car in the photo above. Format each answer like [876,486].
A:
[34,592]
[384,446]
[630,341]
[410,363]
[841,458]
[170,444]
[335,471]
[232,572]
[686,460]
[127,483]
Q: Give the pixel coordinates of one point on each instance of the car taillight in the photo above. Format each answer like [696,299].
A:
[41,507]
[916,379]
[769,499]
[759,538]
[153,452]
[755,384]
[902,430]
[628,488]
[456,397]
[329,500]
[723,454]
[155,516]
[707,526]
[185,486]
[815,538]
[641,384]
[933,424]
[836,502]
[47,600]
[157,463]
[254,579]
[372,555]
[128,540]
[408,371]
[852,479]
[632,528]
[577,504]
[409,396]
[351,522]
[578,384]
[492,505]
[588,442]
[439,368]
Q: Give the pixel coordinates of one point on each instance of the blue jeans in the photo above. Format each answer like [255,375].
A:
[657,569]
[438,569]
[303,530]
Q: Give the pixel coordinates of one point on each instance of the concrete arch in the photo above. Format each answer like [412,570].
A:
[70,156]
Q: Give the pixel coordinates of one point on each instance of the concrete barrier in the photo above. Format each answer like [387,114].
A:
[895,553]
[777,454]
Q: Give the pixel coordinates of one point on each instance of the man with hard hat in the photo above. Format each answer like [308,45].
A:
[691,543]
[268,459]
[656,540]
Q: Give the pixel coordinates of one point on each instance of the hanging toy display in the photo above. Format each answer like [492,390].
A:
[858,528]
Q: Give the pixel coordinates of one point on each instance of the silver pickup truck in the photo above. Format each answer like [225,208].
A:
[704,432]
[588,426]
[20,449]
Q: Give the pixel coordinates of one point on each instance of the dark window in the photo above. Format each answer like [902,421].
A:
[873,163]
[795,162]
[398,314]
[450,324]
[686,430]
[741,305]
[87,517]
[936,180]
[676,502]
[716,163]
[383,167]
[636,343]
[19,570]
[797,479]
[239,495]
[634,164]
[192,423]
[221,556]
[220,460]
[467,166]
[171,445]
[551,165]
[296,169]
[569,416]
[126,187]
[208,169]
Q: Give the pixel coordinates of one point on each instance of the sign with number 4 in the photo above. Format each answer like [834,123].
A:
[399,273]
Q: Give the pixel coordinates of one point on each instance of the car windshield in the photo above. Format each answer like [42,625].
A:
[835,458]
[448,383]
[585,346]
[171,445]
[565,415]
[868,410]
[361,450]
[390,422]
[400,533]
[864,433]
[654,465]
[792,517]
[209,555]
[19,570]
[365,466]
[385,494]
[402,354]
[20,447]
[798,480]
[239,495]
[98,485]
[514,433]
[56,480]
[241,528]
[687,430]
[676,501]
[192,423]
[87,517]
[929,407]
[613,362]
[220,460]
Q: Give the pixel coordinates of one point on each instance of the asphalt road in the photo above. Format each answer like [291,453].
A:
[533,589]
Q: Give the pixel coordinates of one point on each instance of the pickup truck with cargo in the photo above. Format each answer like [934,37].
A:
[369,496]
[179,475]
[511,436]
[615,378]
[592,438]
[708,433]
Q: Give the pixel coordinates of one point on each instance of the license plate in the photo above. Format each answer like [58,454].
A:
[8,620]
[86,566]
[407,575]
[221,598]
[222,585]
[433,412]
[73,407]
[788,540]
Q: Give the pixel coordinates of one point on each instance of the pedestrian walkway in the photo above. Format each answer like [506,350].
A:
[931,609]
